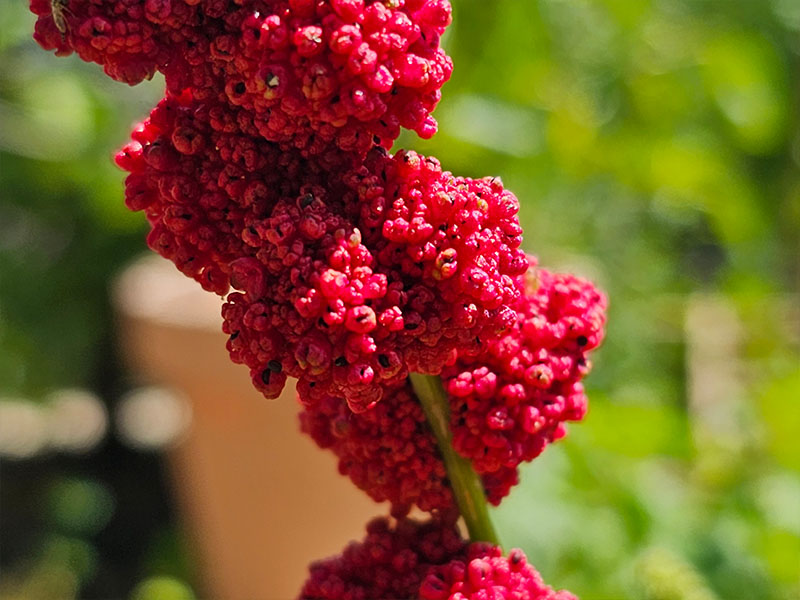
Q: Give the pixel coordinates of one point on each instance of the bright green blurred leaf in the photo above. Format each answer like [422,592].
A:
[778,404]
[747,80]
[51,119]
[162,588]
[635,430]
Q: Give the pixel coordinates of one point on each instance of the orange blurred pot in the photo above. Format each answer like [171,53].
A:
[259,500]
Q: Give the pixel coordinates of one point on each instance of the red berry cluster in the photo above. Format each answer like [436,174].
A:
[387,451]
[427,560]
[130,38]
[343,71]
[506,404]
[484,573]
[348,275]
[265,169]
[311,74]
[511,401]
[391,562]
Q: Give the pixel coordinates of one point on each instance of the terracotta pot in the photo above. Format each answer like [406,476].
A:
[259,499]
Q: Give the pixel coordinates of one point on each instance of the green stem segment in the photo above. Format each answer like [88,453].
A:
[465,482]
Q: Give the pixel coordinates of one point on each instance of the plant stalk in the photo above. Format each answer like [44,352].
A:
[464,481]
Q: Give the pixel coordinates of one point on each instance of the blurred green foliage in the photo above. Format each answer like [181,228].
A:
[655,147]
[162,588]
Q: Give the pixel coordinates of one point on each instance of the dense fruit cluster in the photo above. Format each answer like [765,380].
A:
[507,404]
[344,71]
[486,574]
[514,398]
[195,174]
[391,562]
[389,267]
[348,275]
[426,560]
[312,74]
[387,451]
[265,169]
[129,38]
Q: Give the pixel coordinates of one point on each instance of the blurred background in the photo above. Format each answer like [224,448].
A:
[655,148]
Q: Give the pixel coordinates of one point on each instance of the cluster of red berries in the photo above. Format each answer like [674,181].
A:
[506,404]
[426,560]
[311,74]
[349,275]
[514,398]
[387,451]
[265,169]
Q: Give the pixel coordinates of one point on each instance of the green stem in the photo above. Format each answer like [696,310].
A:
[465,482]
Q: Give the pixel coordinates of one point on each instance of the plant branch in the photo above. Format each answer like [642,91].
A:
[464,481]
